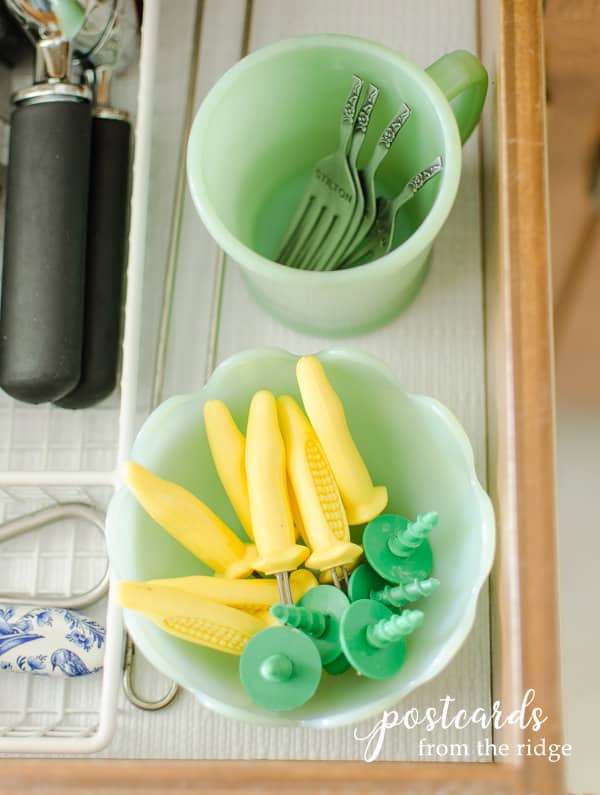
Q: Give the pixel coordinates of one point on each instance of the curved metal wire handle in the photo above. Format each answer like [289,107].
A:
[37,519]
[129,687]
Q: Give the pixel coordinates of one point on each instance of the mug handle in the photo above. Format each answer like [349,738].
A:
[464,81]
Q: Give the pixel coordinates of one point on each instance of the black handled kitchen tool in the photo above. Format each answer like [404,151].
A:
[105,257]
[107,218]
[41,312]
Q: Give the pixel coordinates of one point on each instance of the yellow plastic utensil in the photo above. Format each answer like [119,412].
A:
[317,494]
[228,449]
[270,510]
[252,596]
[190,522]
[362,500]
[190,618]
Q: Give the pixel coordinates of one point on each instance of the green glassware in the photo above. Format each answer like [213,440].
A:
[401,437]
[263,126]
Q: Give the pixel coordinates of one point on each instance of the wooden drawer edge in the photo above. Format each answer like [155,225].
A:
[521,469]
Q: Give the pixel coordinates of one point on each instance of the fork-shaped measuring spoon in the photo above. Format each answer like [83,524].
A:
[330,195]
[366,176]
[331,251]
[379,240]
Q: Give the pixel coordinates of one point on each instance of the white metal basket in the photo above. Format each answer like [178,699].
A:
[50,456]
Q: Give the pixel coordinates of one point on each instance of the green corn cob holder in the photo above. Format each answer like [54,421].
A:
[318,614]
[397,549]
[339,666]
[280,668]
[373,637]
[365,583]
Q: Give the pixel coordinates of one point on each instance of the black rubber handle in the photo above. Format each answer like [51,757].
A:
[105,262]
[41,314]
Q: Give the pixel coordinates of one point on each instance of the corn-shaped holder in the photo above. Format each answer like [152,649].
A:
[270,510]
[316,492]
[191,522]
[362,500]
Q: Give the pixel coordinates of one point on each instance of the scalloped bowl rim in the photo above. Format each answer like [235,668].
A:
[454,641]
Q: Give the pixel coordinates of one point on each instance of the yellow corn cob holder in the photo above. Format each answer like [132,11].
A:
[191,618]
[252,596]
[191,522]
[316,492]
[363,501]
[270,509]
[228,449]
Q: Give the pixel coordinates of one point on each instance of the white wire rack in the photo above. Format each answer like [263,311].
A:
[62,558]
[46,714]
[50,456]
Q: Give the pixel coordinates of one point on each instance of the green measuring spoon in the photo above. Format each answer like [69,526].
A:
[365,583]
[318,614]
[280,668]
[373,638]
[397,549]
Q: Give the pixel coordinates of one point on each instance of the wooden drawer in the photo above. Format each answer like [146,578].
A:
[478,337]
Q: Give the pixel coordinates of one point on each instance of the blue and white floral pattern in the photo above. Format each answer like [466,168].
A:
[60,642]
[84,632]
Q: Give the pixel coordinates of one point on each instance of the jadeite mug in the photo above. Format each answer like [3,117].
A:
[264,125]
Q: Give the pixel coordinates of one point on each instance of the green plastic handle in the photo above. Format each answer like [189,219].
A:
[464,81]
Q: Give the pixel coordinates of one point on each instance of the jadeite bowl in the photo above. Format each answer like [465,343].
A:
[410,443]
